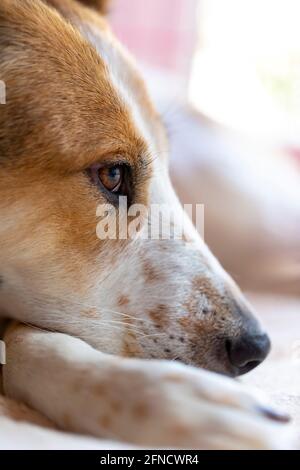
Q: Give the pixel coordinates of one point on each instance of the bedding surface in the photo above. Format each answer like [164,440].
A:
[279,375]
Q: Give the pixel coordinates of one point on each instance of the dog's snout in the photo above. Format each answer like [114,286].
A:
[247,351]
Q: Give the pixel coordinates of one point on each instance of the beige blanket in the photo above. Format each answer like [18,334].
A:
[279,375]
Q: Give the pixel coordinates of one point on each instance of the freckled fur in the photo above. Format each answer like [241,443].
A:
[123,300]
[151,273]
[160,315]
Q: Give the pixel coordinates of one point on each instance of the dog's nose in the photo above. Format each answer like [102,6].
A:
[247,351]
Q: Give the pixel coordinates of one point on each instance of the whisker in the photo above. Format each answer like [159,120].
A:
[153,335]
[143,320]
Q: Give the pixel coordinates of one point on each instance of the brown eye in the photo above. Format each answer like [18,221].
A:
[112,180]
[111,177]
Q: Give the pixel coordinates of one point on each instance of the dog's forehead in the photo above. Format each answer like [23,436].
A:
[129,85]
[122,70]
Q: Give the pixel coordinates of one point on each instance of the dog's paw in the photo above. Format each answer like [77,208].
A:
[171,405]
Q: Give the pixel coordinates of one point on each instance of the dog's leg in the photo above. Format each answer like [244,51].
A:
[154,403]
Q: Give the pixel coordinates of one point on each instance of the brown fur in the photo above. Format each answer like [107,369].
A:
[160,315]
[123,300]
[151,273]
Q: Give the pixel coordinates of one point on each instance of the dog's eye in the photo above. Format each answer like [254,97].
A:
[109,177]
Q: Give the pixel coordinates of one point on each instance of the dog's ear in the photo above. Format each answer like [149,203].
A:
[100,5]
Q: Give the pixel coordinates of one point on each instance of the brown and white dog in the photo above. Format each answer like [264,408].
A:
[95,316]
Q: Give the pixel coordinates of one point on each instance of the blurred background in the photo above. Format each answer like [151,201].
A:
[253,45]
[225,75]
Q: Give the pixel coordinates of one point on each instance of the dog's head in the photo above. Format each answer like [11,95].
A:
[77,131]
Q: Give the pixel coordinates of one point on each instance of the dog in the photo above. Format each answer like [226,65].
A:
[119,339]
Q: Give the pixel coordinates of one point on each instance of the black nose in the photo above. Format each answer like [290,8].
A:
[247,352]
